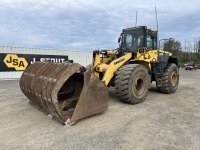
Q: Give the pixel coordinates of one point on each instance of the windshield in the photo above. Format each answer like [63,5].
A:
[133,39]
[151,40]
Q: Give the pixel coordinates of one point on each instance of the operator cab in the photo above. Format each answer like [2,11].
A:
[131,39]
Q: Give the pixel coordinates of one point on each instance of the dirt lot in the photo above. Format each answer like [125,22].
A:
[161,122]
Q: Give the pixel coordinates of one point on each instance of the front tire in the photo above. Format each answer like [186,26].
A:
[132,83]
[169,80]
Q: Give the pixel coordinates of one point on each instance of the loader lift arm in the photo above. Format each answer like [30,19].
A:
[101,65]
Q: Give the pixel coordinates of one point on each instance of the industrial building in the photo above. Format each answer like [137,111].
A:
[8,71]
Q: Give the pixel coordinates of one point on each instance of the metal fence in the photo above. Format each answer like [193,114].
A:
[82,57]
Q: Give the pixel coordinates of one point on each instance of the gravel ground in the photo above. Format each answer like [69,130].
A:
[162,121]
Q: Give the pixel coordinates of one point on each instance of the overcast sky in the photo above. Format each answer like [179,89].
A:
[92,24]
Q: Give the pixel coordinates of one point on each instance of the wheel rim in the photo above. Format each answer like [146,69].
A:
[139,86]
[173,78]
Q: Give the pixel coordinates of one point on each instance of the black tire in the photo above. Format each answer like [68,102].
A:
[170,79]
[132,83]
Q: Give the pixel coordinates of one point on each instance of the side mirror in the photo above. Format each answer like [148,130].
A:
[119,39]
[153,35]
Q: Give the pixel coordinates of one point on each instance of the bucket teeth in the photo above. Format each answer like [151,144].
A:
[56,88]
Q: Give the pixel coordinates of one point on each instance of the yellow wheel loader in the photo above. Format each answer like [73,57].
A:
[70,92]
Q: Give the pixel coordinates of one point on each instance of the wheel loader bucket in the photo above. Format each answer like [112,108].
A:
[64,90]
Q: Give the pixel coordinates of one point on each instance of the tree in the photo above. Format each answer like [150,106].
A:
[198,52]
[174,46]
[198,47]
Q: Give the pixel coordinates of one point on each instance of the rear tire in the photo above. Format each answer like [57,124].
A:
[169,80]
[132,83]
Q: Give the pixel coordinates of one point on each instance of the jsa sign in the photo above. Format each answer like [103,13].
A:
[19,62]
[13,61]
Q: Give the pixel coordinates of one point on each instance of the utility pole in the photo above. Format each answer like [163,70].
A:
[185,51]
